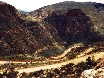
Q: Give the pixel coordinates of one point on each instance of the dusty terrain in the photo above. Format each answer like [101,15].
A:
[75,61]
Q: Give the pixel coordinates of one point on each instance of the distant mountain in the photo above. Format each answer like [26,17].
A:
[59,24]
[24,12]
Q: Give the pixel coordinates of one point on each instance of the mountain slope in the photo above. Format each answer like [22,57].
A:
[54,25]
[20,33]
[74,21]
[93,10]
[14,38]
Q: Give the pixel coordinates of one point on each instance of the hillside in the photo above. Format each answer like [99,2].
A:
[61,40]
[14,37]
[73,22]
[16,32]
[50,28]
[64,16]
[94,11]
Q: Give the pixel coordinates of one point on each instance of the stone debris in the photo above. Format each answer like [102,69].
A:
[91,73]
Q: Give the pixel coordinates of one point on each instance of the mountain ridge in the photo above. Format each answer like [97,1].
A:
[49,26]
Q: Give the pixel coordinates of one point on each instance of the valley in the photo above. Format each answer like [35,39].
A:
[55,41]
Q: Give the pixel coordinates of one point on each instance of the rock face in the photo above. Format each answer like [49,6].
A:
[93,73]
[72,26]
[19,34]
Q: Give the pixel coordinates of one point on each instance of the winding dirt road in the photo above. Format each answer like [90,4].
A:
[66,52]
[75,61]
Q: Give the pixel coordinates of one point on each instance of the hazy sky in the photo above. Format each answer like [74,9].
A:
[30,5]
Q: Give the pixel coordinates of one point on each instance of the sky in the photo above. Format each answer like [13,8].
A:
[30,5]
